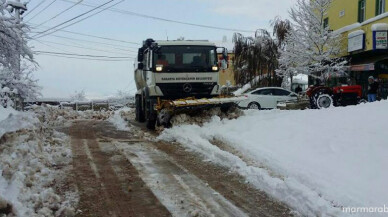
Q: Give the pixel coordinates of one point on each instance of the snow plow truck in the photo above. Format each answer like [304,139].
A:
[178,76]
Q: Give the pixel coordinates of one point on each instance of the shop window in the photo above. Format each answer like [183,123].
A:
[380,7]
[361,11]
[326,23]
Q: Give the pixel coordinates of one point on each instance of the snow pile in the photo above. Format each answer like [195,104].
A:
[316,161]
[34,161]
[5,112]
[120,118]
[248,86]
[61,116]
[11,121]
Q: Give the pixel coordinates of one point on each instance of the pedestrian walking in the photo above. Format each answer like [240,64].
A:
[372,89]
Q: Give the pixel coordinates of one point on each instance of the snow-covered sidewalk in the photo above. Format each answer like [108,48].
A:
[34,160]
[316,161]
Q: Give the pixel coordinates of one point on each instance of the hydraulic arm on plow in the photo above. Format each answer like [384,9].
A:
[178,76]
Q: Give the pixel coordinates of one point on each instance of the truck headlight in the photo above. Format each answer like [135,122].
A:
[159,68]
[215,68]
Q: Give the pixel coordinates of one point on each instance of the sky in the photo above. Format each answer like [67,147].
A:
[62,77]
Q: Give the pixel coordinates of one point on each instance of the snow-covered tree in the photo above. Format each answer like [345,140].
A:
[78,96]
[255,57]
[16,80]
[310,47]
[25,87]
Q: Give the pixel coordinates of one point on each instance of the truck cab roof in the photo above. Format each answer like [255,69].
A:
[185,43]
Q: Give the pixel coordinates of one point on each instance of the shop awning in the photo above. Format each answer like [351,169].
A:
[367,64]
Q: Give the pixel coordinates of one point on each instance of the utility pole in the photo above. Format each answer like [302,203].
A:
[19,9]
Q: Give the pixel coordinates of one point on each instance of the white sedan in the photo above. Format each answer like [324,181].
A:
[267,98]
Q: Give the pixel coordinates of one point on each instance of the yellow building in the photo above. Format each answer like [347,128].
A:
[227,76]
[364,27]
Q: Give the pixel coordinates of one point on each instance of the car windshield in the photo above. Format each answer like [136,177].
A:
[186,58]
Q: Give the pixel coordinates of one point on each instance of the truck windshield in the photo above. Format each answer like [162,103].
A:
[185,59]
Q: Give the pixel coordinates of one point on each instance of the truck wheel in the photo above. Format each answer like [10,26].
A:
[151,121]
[139,110]
[324,101]
[164,118]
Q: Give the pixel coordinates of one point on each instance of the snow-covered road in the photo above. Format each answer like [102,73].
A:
[163,180]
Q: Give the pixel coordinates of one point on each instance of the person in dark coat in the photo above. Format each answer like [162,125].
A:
[298,89]
[372,89]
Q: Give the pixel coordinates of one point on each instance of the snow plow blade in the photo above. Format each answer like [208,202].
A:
[167,108]
[212,101]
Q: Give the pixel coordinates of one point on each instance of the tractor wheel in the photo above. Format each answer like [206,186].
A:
[254,105]
[362,101]
[324,101]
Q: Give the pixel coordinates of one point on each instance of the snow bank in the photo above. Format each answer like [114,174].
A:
[34,160]
[120,117]
[55,116]
[11,121]
[5,112]
[316,161]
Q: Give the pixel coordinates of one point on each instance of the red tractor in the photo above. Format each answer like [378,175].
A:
[336,94]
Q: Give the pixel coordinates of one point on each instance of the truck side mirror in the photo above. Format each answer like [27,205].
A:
[140,66]
[140,55]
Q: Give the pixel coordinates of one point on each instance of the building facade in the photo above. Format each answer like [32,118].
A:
[364,28]
[226,77]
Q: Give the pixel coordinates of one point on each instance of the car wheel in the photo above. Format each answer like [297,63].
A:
[254,105]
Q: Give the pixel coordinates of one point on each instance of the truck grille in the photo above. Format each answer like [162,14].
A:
[183,90]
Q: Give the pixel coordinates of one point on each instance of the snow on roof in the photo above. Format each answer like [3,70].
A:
[300,79]
[380,27]
[357,25]
[347,28]
[356,33]
[228,45]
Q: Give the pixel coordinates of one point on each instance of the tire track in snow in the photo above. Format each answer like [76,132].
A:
[181,192]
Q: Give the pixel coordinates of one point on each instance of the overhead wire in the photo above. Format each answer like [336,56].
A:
[84,55]
[127,12]
[34,8]
[37,14]
[76,17]
[90,35]
[86,58]
[60,13]
[78,21]
[82,47]
[113,46]
[66,55]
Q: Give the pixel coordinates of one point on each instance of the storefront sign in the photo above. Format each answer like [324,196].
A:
[381,40]
[361,68]
[356,43]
